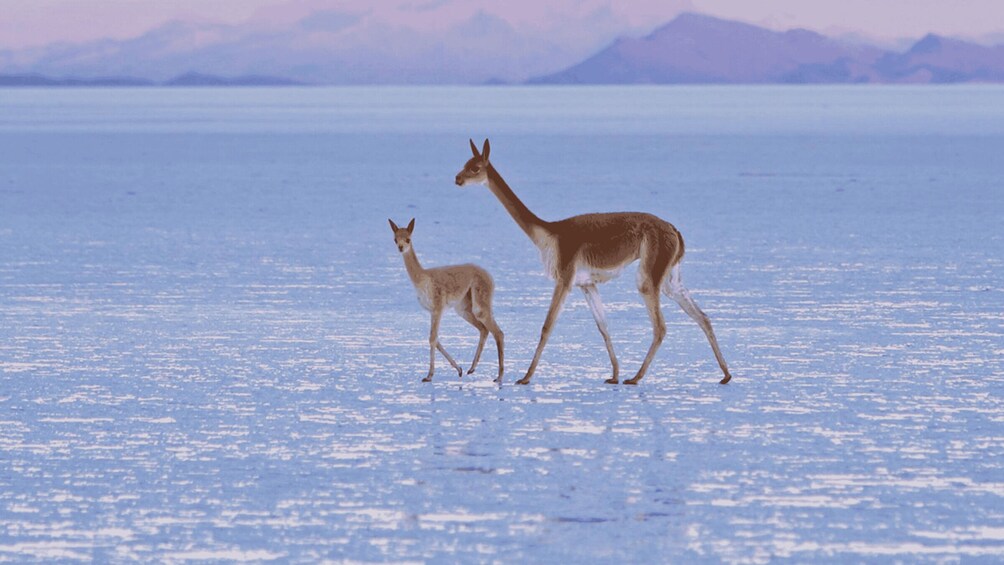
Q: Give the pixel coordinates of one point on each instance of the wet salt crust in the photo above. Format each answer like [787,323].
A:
[209,349]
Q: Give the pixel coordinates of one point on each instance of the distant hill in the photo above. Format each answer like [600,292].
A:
[188,79]
[39,80]
[701,49]
[199,79]
[936,59]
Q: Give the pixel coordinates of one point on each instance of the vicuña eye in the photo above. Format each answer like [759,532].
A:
[475,169]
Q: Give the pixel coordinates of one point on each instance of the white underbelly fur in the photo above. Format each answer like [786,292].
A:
[584,274]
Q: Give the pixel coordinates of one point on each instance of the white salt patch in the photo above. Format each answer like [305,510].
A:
[579,428]
[75,420]
[467,517]
[223,555]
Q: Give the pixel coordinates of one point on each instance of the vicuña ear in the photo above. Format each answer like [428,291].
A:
[487,148]
[393,226]
[411,225]
[474,148]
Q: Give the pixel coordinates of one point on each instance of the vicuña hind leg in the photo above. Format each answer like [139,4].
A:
[481,309]
[651,270]
[467,313]
[650,293]
[674,289]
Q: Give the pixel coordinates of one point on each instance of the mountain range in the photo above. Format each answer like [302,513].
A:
[331,47]
[326,47]
[701,49]
[187,79]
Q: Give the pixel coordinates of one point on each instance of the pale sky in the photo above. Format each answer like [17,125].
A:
[25,23]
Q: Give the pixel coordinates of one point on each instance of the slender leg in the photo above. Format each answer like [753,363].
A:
[596,306]
[675,289]
[434,344]
[499,344]
[481,310]
[433,340]
[467,314]
[651,295]
[460,370]
[557,300]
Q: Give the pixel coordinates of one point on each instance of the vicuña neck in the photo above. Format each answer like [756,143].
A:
[415,270]
[527,220]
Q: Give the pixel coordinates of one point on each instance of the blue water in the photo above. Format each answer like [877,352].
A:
[210,349]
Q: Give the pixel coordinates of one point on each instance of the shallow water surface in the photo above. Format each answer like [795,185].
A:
[209,347]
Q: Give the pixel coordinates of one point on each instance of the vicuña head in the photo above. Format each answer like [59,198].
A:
[402,236]
[475,170]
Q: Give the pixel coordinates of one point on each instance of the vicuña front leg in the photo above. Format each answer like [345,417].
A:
[557,300]
[434,344]
[596,306]
[433,340]
[456,366]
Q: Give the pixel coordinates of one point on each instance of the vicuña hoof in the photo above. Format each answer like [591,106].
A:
[726,380]
[523,381]
[633,381]
[470,371]
[427,379]
[497,379]
[611,381]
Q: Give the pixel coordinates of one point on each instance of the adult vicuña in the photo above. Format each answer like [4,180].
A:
[593,248]
[467,288]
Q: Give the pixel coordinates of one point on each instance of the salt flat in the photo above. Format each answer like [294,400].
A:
[209,347]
